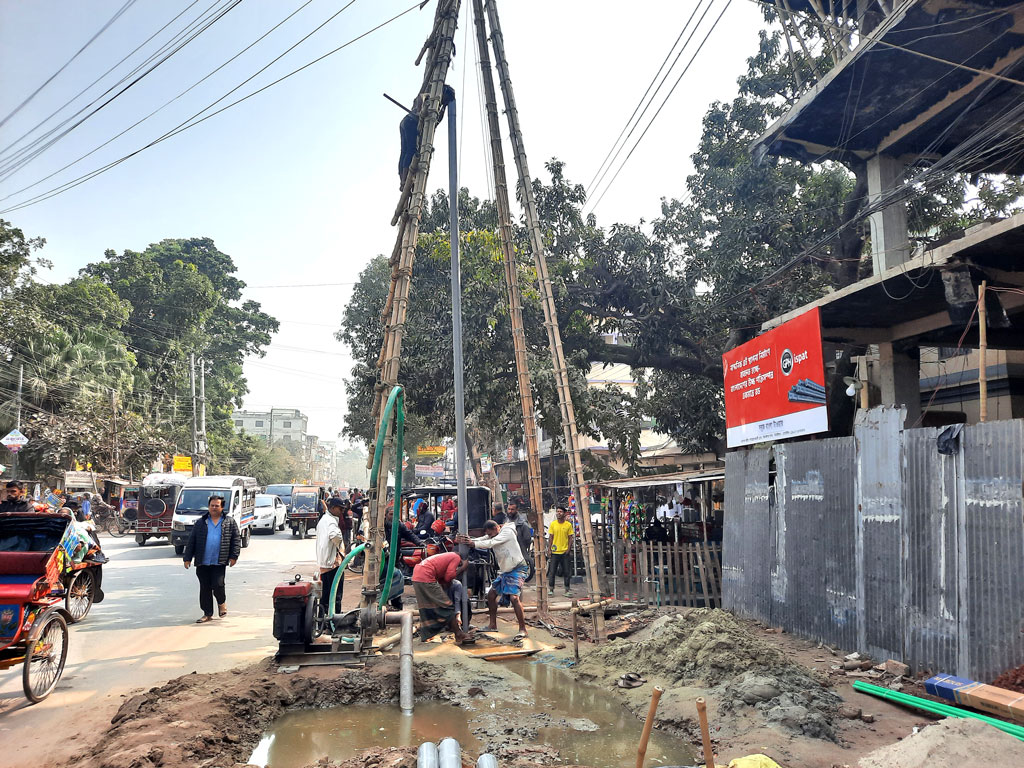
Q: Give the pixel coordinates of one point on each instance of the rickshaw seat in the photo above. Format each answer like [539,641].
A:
[23,564]
[16,589]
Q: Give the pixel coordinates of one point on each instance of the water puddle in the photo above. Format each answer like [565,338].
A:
[585,724]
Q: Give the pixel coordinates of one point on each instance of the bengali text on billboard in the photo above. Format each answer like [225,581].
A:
[775,384]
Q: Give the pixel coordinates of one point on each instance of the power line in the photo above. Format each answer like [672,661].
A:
[650,85]
[86,89]
[21,163]
[187,124]
[663,103]
[66,64]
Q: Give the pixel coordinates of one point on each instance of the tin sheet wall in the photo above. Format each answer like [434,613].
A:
[880,543]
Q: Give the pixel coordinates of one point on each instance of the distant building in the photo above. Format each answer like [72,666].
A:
[278,425]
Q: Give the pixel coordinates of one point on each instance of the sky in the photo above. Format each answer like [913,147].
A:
[298,183]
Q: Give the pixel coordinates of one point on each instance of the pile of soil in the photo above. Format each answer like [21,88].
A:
[711,648]
[962,743]
[1011,679]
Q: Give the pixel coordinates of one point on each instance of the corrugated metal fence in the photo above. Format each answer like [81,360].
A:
[880,543]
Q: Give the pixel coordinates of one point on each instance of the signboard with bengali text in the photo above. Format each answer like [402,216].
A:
[775,384]
[429,470]
[431,451]
[182,464]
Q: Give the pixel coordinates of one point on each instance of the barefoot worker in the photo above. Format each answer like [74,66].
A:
[431,581]
[512,571]
[215,543]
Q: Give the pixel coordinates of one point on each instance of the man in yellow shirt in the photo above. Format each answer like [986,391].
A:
[560,534]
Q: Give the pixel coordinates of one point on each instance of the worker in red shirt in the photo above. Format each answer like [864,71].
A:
[431,580]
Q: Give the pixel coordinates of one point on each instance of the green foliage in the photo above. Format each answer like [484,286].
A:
[114,343]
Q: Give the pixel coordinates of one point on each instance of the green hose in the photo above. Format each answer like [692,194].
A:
[937,708]
[396,404]
[341,575]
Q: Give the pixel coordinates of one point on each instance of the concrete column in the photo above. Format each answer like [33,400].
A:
[900,379]
[889,242]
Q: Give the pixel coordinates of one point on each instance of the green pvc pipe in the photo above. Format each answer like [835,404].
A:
[937,708]
[396,405]
[341,575]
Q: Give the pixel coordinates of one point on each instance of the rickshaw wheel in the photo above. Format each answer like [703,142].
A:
[117,526]
[79,598]
[45,654]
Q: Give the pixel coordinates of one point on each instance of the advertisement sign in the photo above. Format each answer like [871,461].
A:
[429,470]
[431,451]
[74,479]
[485,462]
[775,384]
[14,441]
[182,464]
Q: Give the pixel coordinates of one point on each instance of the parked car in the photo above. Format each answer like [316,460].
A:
[238,493]
[270,512]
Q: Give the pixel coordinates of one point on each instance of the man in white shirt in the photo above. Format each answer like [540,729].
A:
[512,571]
[329,543]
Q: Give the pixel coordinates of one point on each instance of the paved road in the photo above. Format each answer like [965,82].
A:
[143,634]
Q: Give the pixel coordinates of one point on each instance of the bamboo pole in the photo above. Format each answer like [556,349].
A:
[575,631]
[645,736]
[515,309]
[550,315]
[982,353]
[441,48]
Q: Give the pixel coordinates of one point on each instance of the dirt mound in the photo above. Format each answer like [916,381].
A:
[1011,679]
[714,649]
[961,743]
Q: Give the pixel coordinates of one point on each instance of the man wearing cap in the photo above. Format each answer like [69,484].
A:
[15,501]
[330,540]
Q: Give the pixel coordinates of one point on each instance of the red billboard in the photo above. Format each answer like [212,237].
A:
[775,384]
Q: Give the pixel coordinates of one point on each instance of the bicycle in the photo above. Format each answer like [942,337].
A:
[117,525]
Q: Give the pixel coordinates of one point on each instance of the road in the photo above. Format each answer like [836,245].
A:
[143,634]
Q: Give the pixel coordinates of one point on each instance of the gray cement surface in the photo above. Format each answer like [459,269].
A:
[144,634]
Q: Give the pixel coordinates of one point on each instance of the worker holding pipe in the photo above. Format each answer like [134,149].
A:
[431,580]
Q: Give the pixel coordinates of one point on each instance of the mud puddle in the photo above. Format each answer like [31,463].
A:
[574,722]
[340,733]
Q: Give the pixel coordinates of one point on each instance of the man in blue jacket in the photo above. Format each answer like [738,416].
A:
[214,544]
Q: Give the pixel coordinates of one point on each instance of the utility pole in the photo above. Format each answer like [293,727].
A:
[21,381]
[115,453]
[550,319]
[515,308]
[195,428]
[202,409]
[438,49]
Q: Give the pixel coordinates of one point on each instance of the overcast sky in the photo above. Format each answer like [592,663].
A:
[298,183]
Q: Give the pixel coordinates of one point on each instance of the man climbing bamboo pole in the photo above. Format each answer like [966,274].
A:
[550,318]
[439,49]
[515,307]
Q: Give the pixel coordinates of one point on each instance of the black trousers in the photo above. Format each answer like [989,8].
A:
[326,582]
[558,563]
[211,586]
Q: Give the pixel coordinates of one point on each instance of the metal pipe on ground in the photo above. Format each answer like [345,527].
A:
[427,757]
[487,760]
[450,754]
[405,693]
[641,751]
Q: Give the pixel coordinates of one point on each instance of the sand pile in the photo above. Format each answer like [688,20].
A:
[961,743]
[711,648]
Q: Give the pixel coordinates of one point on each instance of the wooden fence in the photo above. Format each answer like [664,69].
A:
[667,574]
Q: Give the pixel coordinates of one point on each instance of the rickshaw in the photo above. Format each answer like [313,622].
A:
[42,590]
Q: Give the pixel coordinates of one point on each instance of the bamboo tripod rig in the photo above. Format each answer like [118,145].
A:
[439,50]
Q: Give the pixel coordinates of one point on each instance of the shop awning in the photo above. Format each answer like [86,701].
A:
[667,479]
